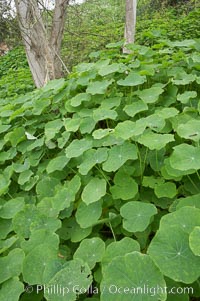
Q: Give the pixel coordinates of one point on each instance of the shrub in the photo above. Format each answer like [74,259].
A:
[15,76]
[99,179]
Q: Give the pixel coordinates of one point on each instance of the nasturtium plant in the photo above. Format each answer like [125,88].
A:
[128,129]
[90,251]
[137,216]
[36,261]
[125,187]
[94,191]
[167,189]
[11,265]
[100,177]
[150,95]
[155,141]
[186,96]
[189,130]
[171,253]
[88,215]
[185,157]
[118,155]
[132,272]
[77,148]
[192,201]
[11,289]
[75,276]
[133,79]
[135,108]
[119,248]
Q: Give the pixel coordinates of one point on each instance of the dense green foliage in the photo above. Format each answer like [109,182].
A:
[94,24]
[169,24]
[15,76]
[91,26]
[100,172]
[99,180]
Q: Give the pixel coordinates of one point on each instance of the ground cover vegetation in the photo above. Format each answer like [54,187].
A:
[100,173]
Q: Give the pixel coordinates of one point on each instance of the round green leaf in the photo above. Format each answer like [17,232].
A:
[118,155]
[171,173]
[190,130]
[79,98]
[98,87]
[126,278]
[30,219]
[36,262]
[90,251]
[25,176]
[12,207]
[21,167]
[150,95]
[91,158]
[94,191]
[194,241]
[75,277]
[87,215]
[4,184]
[154,122]
[135,107]
[105,70]
[184,79]
[125,187]
[101,133]
[23,220]
[39,237]
[166,113]
[137,215]
[57,163]
[111,102]
[16,136]
[102,114]
[133,79]
[78,147]
[4,127]
[11,289]
[72,124]
[165,190]
[52,128]
[155,141]
[87,125]
[128,129]
[170,251]
[192,201]
[186,96]
[119,248]
[185,157]
[7,243]
[46,187]
[5,227]
[72,230]
[185,218]
[152,182]
[11,265]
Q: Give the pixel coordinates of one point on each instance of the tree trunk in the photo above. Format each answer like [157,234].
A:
[129,32]
[43,52]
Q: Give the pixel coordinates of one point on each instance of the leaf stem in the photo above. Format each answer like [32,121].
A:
[193,183]
[111,228]
[102,173]
[198,174]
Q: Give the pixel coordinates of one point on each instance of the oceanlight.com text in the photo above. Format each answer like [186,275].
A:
[113,289]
